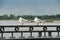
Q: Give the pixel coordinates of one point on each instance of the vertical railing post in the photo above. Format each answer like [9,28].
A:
[44,34]
[30,34]
[1,35]
[12,34]
[21,34]
[58,33]
[1,30]
[58,29]
[44,29]
[49,34]
[39,34]
[31,29]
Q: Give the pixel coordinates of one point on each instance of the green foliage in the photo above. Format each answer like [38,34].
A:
[30,17]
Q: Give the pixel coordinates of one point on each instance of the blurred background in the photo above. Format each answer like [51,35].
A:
[29,7]
[44,9]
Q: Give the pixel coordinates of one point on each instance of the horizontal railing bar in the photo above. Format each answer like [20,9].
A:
[41,38]
[26,31]
[29,25]
[36,38]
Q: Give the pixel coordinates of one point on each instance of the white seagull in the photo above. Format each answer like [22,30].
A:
[22,20]
[37,20]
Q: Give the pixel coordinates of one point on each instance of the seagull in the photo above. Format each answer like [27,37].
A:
[22,20]
[37,20]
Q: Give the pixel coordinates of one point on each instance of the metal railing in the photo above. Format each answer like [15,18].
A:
[31,30]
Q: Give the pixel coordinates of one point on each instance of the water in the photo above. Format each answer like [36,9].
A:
[17,35]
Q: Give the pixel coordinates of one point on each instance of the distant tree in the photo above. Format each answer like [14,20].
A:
[30,17]
[5,17]
[12,16]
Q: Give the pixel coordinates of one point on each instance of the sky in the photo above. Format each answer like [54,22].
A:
[29,7]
